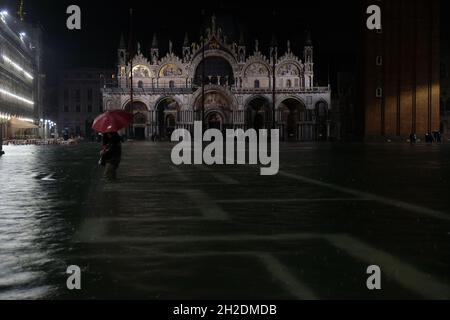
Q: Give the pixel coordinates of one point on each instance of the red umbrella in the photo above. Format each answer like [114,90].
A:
[112,121]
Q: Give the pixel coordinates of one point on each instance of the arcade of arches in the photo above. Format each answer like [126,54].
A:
[295,121]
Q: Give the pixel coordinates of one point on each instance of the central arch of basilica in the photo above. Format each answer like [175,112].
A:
[238,89]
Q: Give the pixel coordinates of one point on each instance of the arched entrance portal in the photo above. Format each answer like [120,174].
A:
[137,130]
[214,120]
[293,116]
[258,114]
[166,115]
[218,110]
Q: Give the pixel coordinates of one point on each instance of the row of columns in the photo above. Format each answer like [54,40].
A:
[304,131]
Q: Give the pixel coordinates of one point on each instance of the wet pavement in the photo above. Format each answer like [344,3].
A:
[225,232]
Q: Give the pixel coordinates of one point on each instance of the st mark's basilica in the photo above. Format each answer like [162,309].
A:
[237,87]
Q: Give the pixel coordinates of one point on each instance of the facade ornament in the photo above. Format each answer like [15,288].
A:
[244,78]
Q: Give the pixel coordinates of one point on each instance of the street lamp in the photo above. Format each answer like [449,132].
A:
[3,15]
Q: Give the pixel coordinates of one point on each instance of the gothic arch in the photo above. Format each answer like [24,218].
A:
[135,100]
[289,62]
[256,62]
[141,71]
[257,96]
[210,54]
[196,98]
[325,104]
[289,97]
[258,112]
[161,99]
[179,72]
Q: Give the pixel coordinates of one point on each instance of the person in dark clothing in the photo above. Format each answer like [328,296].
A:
[412,138]
[1,146]
[111,154]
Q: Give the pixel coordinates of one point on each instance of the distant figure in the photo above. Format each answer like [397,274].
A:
[429,138]
[412,138]
[437,137]
[1,147]
[111,155]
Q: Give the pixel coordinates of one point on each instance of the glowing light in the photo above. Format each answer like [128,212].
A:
[12,95]
[17,67]
[3,15]
[5,116]
[26,119]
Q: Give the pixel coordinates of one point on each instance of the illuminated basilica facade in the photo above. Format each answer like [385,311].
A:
[233,86]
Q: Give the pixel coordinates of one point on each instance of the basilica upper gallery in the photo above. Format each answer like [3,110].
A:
[224,84]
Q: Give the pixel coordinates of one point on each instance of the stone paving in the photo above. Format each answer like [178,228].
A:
[225,232]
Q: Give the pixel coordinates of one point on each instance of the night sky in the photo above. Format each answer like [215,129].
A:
[333,26]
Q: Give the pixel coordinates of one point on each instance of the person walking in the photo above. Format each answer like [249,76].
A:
[111,155]
[1,146]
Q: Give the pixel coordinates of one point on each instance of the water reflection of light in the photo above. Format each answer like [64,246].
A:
[23,252]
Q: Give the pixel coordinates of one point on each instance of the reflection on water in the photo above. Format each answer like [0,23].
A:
[44,199]
[35,218]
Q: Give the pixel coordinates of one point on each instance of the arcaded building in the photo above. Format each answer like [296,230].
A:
[232,83]
[80,100]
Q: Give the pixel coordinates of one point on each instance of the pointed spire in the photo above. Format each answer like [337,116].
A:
[155,41]
[122,44]
[274,42]
[138,48]
[288,45]
[213,23]
[170,46]
[186,40]
[241,39]
[308,41]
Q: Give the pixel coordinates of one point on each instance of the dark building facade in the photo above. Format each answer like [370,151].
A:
[445,73]
[400,64]
[80,99]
